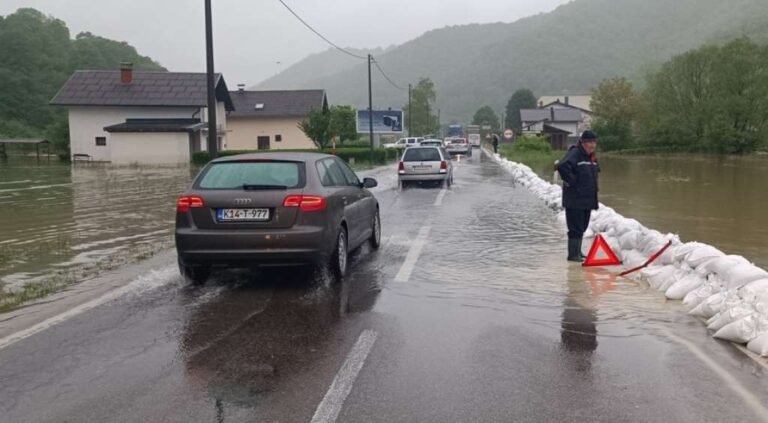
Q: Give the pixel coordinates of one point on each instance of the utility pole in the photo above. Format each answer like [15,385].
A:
[213,132]
[410,111]
[439,126]
[370,106]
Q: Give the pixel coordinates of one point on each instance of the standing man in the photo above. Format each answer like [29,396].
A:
[579,170]
[495,142]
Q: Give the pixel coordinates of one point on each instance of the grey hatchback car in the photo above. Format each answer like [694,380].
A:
[279,209]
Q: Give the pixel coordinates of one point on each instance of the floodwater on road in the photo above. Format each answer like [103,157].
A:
[71,222]
[718,200]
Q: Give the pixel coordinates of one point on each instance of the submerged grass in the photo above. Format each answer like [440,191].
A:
[542,162]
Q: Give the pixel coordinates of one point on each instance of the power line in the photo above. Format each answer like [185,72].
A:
[387,77]
[321,35]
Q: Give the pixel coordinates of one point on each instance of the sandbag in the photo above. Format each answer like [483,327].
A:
[759,345]
[695,297]
[720,264]
[665,273]
[633,258]
[728,316]
[742,274]
[741,331]
[751,290]
[702,254]
[710,306]
[628,241]
[681,288]
[682,251]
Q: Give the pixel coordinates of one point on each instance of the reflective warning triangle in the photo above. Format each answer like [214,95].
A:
[595,258]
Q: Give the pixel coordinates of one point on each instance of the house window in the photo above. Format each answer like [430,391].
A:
[101,141]
[278,138]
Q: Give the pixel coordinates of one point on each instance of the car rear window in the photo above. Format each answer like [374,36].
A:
[234,175]
[422,155]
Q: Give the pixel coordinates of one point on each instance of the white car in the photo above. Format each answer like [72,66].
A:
[458,145]
[432,142]
[404,143]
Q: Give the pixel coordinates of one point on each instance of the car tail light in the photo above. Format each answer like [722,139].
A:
[401,167]
[307,203]
[186,202]
[443,166]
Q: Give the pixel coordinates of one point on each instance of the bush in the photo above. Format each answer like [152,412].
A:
[361,155]
[531,144]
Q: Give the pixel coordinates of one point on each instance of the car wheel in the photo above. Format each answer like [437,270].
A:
[340,255]
[194,275]
[375,239]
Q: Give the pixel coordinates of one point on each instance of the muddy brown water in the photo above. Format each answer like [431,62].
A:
[74,222]
[721,201]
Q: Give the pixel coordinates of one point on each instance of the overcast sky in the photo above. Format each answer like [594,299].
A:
[252,36]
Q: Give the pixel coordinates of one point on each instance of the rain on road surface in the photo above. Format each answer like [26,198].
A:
[468,312]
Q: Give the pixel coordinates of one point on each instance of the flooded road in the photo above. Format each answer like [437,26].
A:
[721,201]
[66,224]
[468,312]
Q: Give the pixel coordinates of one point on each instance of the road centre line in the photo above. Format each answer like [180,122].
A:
[439,200]
[413,255]
[329,408]
[731,382]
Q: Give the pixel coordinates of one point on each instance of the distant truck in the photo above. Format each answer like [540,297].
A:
[455,131]
[473,135]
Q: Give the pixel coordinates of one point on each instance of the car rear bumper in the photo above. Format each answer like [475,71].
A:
[458,151]
[423,177]
[306,245]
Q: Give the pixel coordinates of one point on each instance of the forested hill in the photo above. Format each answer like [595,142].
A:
[37,55]
[568,50]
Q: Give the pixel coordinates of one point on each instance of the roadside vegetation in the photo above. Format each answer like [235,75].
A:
[533,151]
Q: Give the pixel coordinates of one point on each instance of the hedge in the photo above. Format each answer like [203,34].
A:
[361,155]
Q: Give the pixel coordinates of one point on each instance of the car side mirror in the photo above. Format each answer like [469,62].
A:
[370,183]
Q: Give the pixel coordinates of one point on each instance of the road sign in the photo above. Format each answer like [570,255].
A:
[508,134]
[384,121]
[607,258]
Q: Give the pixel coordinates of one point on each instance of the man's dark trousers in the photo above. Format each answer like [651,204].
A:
[578,222]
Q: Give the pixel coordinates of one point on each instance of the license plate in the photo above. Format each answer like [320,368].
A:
[241,215]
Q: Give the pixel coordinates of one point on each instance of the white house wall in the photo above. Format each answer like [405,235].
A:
[150,148]
[244,132]
[87,123]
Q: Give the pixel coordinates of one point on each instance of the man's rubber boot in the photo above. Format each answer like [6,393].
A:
[581,255]
[573,251]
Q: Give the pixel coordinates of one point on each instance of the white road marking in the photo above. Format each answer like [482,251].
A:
[413,255]
[439,200]
[731,382]
[152,280]
[329,408]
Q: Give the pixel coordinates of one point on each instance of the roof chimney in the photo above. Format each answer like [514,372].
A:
[566,100]
[541,103]
[126,73]
[552,113]
[241,88]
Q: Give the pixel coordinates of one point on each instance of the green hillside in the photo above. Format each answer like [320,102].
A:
[37,55]
[568,50]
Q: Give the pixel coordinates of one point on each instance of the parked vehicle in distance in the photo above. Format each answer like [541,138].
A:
[425,164]
[432,142]
[274,209]
[473,135]
[404,143]
[458,145]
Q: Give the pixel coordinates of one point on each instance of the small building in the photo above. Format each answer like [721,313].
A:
[558,124]
[582,103]
[269,120]
[147,117]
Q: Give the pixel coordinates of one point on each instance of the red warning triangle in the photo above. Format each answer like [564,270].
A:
[607,258]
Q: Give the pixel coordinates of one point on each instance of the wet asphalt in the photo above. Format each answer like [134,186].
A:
[489,324]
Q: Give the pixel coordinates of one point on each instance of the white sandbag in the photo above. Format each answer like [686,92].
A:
[681,288]
[695,297]
[741,331]
[719,264]
[759,345]
[710,306]
[633,258]
[702,254]
[751,290]
[742,274]
[665,273]
[682,251]
[628,241]
[728,316]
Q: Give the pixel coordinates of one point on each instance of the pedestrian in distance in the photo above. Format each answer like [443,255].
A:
[495,142]
[579,170]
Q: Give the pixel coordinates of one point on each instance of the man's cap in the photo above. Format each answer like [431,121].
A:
[588,136]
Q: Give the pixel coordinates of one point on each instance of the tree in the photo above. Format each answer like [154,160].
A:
[617,108]
[317,127]
[486,116]
[343,123]
[521,99]
[422,121]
